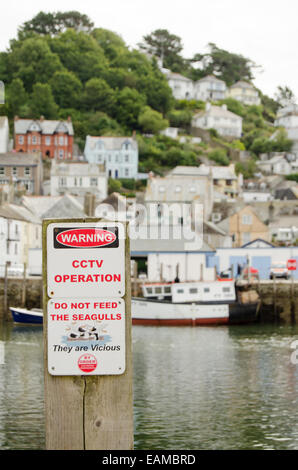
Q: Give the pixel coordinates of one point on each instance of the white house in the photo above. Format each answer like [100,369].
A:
[78,178]
[19,231]
[277,165]
[210,88]
[183,88]
[182,186]
[4,134]
[119,155]
[219,118]
[287,117]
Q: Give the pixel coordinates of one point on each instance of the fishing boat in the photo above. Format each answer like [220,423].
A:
[22,315]
[194,303]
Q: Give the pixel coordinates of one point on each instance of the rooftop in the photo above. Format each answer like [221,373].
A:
[22,126]
[110,143]
[19,159]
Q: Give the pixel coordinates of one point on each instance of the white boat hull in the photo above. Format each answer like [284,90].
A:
[152,312]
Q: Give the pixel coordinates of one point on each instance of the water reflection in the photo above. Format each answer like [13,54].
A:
[21,389]
[194,388]
[215,388]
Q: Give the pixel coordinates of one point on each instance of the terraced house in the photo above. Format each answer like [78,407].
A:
[54,139]
[119,155]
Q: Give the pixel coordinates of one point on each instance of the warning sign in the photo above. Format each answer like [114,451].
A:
[86,336]
[86,260]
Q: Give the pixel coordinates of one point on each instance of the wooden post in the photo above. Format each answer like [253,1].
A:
[24,286]
[5,312]
[89,412]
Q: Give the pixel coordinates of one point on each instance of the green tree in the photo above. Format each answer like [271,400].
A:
[284,95]
[54,23]
[219,156]
[17,97]
[66,88]
[112,44]
[99,96]
[226,65]
[32,61]
[129,104]
[42,102]
[152,121]
[79,53]
[114,186]
[161,43]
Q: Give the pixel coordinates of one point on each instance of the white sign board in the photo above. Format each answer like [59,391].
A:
[86,259]
[86,336]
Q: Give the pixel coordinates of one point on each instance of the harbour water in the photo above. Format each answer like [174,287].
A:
[194,388]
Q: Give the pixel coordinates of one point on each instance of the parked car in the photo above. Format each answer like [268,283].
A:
[279,270]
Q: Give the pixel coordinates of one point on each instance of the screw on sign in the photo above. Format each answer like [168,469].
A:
[292,264]
[87,363]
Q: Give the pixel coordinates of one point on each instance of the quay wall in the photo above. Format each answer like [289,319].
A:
[18,294]
[278,300]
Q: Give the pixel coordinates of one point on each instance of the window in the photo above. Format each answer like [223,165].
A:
[127,158]
[167,290]
[14,171]
[180,291]
[93,182]
[34,140]
[226,289]
[61,140]
[206,289]
[61,153]
[229,182]
[246,237]
[21,139]
[178,189]
[27,171]
[149,290]
[161,189]
[193,290]
[62,181]
[246,219]
[192,189]
[157,290]
[2,171]
[15,249]
[126,172]
[48,140]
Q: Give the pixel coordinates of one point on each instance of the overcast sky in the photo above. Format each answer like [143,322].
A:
[265,31]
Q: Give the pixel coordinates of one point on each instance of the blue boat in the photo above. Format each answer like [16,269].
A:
[21,315]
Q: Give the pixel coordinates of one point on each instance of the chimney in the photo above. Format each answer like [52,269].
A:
[134,135]
[16,118]
[68,118]
[89,204]
[41,118]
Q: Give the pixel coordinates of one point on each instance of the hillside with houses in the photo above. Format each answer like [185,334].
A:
[92,127]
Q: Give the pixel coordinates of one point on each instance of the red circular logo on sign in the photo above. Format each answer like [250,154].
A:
[87,363]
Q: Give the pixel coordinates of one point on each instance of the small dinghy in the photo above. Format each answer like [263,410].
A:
[22,315]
